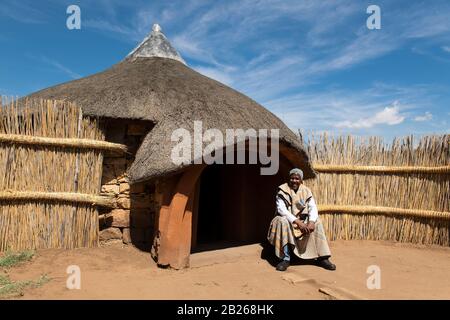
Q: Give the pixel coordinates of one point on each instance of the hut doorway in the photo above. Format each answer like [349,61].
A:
[235,208]
[234,205]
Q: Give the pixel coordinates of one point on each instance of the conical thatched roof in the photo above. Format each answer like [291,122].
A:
[153,83]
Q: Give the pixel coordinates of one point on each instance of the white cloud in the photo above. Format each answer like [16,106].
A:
[215,74]
[365,47]
[189,47]
[428,21]
[260,38]
[22,12]
[107,26]
[61,68]
[324,109]
[271,50]
[389,115]
[426,117]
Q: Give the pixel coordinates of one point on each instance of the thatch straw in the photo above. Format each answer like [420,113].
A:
[102,201]
[171,96]
[37,225]
[361,210]
[44,178]
[384,227]
[397,191]
[62,142]
[383,169]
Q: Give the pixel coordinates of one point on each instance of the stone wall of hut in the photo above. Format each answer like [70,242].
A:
[132,219]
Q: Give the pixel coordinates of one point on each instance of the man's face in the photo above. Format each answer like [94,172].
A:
[294,181]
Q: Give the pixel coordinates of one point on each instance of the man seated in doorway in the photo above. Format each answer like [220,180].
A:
[296,227]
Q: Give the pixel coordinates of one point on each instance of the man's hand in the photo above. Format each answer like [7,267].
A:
[302,226]
[311,226]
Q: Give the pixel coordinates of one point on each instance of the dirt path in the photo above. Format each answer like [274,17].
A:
[117,271]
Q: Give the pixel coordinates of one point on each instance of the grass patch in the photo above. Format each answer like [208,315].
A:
[11,259]
[10,289]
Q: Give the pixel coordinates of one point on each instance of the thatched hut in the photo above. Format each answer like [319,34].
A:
[177,207]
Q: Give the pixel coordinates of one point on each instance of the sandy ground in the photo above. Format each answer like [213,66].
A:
[118,271]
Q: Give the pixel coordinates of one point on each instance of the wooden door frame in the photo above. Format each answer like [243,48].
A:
[175,220]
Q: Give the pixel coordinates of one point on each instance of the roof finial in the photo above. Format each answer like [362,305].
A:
[155,45]
[156,28]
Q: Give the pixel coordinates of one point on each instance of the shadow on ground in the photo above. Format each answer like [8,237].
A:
[268,254]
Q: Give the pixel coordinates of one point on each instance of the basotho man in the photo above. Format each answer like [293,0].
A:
[296,227]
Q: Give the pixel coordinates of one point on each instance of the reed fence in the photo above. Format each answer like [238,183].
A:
[50,175]
[368,189]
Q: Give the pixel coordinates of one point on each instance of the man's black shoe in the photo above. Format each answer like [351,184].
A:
[326,264]
[283,265]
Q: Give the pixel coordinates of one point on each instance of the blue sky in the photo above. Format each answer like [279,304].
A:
[315,64]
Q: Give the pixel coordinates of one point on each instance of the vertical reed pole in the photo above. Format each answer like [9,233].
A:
[77,161]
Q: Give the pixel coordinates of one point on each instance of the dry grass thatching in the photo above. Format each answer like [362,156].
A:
[413,186]
[172,96]
[34,175]
[62,142]
[70,197]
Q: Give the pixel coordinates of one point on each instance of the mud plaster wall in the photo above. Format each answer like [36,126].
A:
[132,219]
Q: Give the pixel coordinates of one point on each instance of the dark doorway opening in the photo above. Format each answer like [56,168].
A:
[234,206]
